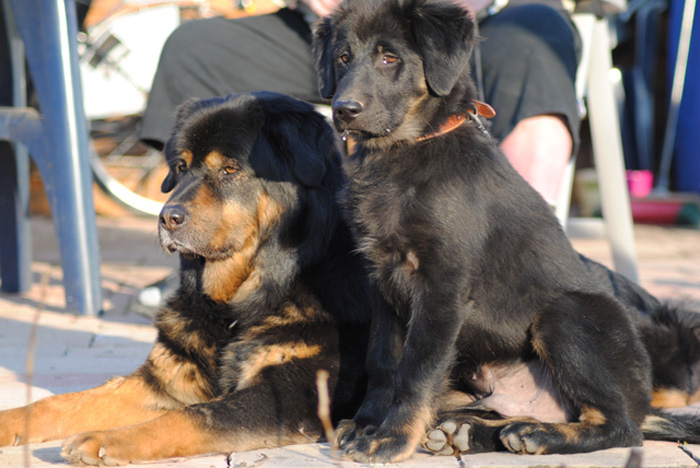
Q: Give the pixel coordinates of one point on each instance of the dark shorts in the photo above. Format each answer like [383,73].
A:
[218,56]
[528,55]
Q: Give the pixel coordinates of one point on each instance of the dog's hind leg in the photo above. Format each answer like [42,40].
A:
[600,367]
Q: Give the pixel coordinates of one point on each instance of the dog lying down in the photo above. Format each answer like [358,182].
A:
[487,325]
[271,292]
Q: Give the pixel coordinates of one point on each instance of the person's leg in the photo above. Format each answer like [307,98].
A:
[529,58]
[539,148]
[217,57]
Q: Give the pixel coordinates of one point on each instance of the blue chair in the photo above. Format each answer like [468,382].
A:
[43,32]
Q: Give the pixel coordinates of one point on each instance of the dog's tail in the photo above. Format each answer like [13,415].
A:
[676,427]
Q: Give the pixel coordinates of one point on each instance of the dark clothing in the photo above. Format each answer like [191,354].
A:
[218,56]
[529,57]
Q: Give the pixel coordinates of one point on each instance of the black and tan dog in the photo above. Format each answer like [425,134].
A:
[270,293]
[485,321]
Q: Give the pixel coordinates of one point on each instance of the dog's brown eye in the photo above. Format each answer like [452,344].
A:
[345,58]
[181,167]
[388,59]
[228,170]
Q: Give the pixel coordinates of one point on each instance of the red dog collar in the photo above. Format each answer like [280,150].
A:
[481,109]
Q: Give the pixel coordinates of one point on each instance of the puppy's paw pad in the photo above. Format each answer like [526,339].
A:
[448,438]
[461,440]
[436,442]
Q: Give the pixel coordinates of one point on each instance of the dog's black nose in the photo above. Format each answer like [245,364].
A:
[347,110]
[172,217]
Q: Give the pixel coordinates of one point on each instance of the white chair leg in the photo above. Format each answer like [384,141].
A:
[563,201]
[608,154]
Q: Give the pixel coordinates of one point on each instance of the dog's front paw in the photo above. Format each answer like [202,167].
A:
[526,438]
[98,449]
[345,432]
[348,430]
[380,448]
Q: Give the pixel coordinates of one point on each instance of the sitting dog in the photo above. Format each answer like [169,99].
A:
[270,293]
[487,325]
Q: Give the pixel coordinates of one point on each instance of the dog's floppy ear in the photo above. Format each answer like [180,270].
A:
[183,111]
[299,136]
[323,57]
[445,35]
[168,183]
[303,141]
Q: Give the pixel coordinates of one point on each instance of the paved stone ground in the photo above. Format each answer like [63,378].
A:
[74,353]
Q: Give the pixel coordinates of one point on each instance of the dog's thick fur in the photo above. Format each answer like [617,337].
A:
[270,293]
[486,322]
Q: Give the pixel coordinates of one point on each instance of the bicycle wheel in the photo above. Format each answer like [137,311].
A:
[125,169]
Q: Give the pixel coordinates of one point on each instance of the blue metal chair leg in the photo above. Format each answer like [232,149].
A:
[15,235]
[58,141]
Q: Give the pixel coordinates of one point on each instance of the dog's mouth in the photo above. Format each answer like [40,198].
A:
[172,246]
[191,254]
[359,134]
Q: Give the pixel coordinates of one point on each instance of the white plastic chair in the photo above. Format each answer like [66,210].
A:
[593,83]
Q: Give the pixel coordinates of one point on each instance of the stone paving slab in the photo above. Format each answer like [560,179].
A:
[654,455]
[73,353]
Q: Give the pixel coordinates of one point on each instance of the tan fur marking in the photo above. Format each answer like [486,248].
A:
[451,399]
[414,431]
[252,283]
[672,398]
[234,225]
[269,212]
[505,422]
[216,160]
[421,423]
[292,315]
[187,156]
[592,416]
[274,355]
[571,431]
[235,276]
[222,278]
[181,379]
[411,263]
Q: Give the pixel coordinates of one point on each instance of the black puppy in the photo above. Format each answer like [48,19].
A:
[484,315]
